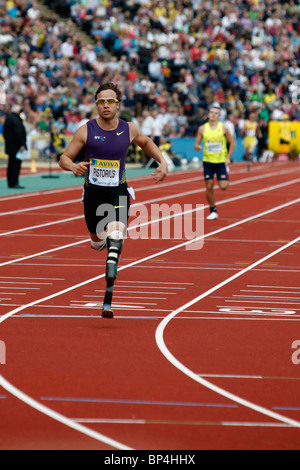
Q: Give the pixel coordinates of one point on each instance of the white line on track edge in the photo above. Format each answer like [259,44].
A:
[147,258]
[60,418]
[147,187]
[24,258]
[226,201]
[176,363]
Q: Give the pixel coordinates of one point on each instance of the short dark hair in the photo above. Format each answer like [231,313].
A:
[109,86]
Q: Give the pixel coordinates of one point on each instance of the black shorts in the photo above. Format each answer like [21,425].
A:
[105,205]
[210,169]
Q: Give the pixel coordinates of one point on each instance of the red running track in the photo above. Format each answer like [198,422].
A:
[204,349]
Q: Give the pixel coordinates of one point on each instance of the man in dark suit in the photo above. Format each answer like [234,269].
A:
[14,135]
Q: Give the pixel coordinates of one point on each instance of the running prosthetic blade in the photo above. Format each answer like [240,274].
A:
[107,311]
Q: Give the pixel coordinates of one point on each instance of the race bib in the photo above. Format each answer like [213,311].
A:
[104,172]
[214,147]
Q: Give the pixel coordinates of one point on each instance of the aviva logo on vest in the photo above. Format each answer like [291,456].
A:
[105,163]
[100,137]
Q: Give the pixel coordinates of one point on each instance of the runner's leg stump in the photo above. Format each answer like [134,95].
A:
[114,247]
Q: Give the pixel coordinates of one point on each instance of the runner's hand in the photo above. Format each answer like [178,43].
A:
[80,168]
[160,173]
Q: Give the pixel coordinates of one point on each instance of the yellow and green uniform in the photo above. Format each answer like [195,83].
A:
[250,139]
[215,148]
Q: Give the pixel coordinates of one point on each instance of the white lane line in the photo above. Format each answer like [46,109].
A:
[41,253]
[109,421]
[281,171]
[36,208]
[77,200]
[39,193]
[153,282]
[36,278]
[178,422]
[72,188]
[150,287]
[252,193]
[144,188]
[59,417]
[151,317]
[155,255]
[270,291]
[275,287]
[159,335]
[235,376]
[13,293]
[135,292]
[250,424]
[33,227]
[30,283]
[231,376]
[271,188]
[264,302]
[21,288]
[257,311]
[127,304]
[201,190]
[117,296]
[47,411]
[245,296]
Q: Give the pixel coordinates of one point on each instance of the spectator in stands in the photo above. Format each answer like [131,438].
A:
[155,69]
[14,134]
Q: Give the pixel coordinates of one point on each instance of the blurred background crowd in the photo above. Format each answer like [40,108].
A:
[171,59]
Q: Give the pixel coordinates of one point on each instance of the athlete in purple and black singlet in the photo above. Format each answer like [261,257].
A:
[106,152]
[106,196]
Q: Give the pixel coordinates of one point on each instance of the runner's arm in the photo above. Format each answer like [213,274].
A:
[199,137]
[151,149]
[77,143]
[230,139]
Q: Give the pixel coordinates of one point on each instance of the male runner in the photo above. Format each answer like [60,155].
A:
[216,158]
[105,141]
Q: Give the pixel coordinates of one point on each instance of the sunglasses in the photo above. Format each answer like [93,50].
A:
[109,101]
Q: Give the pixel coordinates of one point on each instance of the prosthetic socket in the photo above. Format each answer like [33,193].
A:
[114,243]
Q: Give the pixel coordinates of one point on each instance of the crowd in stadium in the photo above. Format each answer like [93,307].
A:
[171,59]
